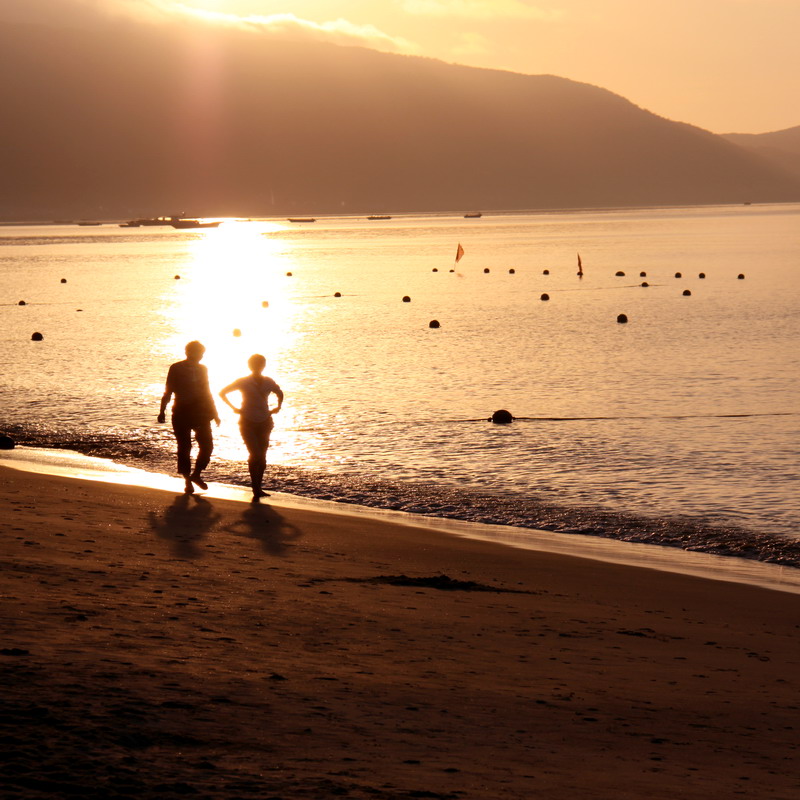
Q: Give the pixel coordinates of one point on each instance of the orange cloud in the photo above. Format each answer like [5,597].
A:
[339,31]
[480,9]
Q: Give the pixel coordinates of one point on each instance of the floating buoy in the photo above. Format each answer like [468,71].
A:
[701,275]
[237,332]
[265,304]
[545,297]
[36,337]
[512,271]
[545,272]
[452,270]
[622,318]
[337,294]
[6,443]
[645,283]
[740,276]
[687,293]
[486,269]
[288,274]
[678,275]
[620,274]
[177,277]
[79,309]
[501,417]
[406,299]
[22,303]
[642,274]
[436,270]
[63,280]
[434,323]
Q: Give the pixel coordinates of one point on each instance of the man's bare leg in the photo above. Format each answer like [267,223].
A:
[205,443]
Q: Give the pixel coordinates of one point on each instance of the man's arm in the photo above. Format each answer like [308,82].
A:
[165,398]
[211,397]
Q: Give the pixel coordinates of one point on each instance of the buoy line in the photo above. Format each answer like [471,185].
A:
[667,416]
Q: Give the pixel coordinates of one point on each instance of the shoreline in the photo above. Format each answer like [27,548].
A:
[160,645]
[69,463]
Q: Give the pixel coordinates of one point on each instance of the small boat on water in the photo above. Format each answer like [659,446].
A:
[302,219]
[181,224]
[473,215]
[86,223]
[378,216]
[147,222]
[168,222]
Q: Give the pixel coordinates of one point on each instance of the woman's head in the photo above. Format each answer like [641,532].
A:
[257,362]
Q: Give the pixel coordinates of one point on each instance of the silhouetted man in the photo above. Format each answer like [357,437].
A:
[192,412]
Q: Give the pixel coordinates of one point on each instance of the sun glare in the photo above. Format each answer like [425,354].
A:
[233,296]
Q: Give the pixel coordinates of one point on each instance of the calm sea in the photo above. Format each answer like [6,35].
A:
[679,427]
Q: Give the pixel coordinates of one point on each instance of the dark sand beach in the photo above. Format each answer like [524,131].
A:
[156,645]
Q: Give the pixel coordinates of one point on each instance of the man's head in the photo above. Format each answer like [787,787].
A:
[194,351]
[257,362]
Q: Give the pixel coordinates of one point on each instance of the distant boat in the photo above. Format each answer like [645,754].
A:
[302,219]
[85,224]
[150,221]
[378,216]
[473,215]
[194,223]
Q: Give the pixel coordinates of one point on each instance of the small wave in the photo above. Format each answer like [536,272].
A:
[452,502]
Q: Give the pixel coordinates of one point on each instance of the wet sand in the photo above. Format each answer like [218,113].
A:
[156,646]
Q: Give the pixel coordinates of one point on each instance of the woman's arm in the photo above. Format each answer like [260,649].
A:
[224,395]
[279,394]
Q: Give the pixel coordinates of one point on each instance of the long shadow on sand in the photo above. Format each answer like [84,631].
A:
[185,523]
[264,524]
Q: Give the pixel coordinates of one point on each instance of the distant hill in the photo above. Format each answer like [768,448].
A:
[140,120]
[781,148]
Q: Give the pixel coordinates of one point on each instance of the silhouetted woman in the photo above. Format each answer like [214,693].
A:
[255,417]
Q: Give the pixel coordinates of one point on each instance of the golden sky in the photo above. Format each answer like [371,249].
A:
[725,65]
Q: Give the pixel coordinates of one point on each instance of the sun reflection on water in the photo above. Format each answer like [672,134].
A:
[233,296]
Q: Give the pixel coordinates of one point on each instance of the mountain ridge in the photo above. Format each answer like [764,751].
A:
[231,124]
[781,148]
